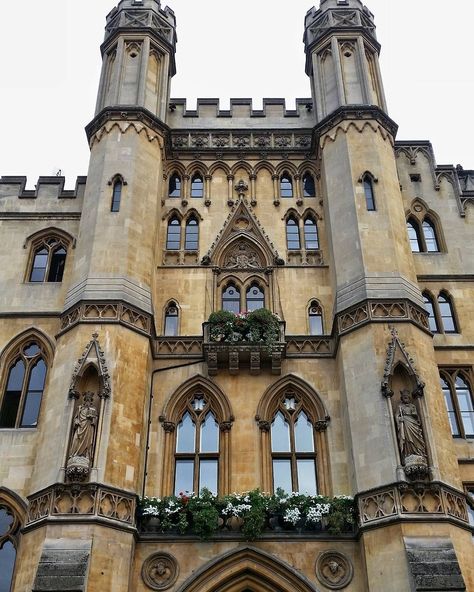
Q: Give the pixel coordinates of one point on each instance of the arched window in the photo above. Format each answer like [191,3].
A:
[23,392]
[49,260]
[429,235]
[293,448]
[231,299]
[197,448]
[311,240]
[459,403]
[173,237]
[9,528]
[414,236]
[286,185]
[171,319]
[309,188]
[255,298]
[292,234]
[174,186]
[116,196]
[369,192]
[433,322]
[197,186]
[447,315]
[191,237]
[315,318]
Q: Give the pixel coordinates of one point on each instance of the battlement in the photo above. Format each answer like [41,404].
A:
[208,114]
[51,187]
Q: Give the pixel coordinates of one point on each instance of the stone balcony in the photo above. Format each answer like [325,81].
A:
[236,356]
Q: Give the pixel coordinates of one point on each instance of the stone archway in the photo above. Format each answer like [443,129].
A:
[247,569]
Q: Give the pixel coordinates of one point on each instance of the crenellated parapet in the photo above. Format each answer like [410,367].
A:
[13,186]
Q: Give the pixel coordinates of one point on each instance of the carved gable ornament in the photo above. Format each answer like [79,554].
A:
[92,355]
[242,242]
[397,354]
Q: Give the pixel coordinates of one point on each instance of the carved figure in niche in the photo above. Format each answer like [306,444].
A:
[410,433]
[84,428]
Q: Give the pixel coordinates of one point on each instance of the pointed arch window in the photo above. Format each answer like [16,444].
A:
[173,237]
[309,187]
[197,448]
[457,392]
[49,260]
[116,195]
[315,318]
[446,313]
[292,234]
[368,183]
[429,234]
[174,186]
[414,236]
[433,322]
[286,185]
[311,239]
[9,528]
[293,448]
[24,388]
[171,320]
[231,299]
[255,298]
[197,186]
[191,237]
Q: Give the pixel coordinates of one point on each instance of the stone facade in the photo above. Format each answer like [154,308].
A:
[361,244]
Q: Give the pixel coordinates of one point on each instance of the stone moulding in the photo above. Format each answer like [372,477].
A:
[178,347]
[81,502]
[414,501]
[381,311]
[107,312]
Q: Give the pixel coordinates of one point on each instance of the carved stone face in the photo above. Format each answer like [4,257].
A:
[405,397]
[333,566]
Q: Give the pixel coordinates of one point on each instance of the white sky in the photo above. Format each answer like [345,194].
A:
[50,65]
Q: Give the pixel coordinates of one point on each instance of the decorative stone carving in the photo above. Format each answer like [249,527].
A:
[94,355]
[160,571]
[334,570]
[108,313]
[81,450]
[242,257]
[322,424]
[396,353]
[410,438]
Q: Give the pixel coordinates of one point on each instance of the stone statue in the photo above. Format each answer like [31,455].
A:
[83,439]
[410,437]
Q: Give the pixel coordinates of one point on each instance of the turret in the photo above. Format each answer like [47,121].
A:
[342,56]
[138,57]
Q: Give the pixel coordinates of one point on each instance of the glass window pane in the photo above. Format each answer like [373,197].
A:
[208,475]
[231,299]
[431,318]
[309,189]
[466,406]
[6,520]
[282,474]
[186,435]
[116,196]
[56,268]
[450,407]
[12,397]
[315,324]
[197,186]
[7,563]
[173,239]
[369,194]
[280,434]
[430,237]
[174,189]
[15,377]
[209,434]
[292,235]
[39,266]
[470,506]
[31,409]
[304,439]
[413,236]
[184,478]
[171,325]
[191,237]
[286,186]
[446,314]
[255,298]
[306,470]
[311,240]
[31,350]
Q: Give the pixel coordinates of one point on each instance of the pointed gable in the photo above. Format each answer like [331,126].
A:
[242,242]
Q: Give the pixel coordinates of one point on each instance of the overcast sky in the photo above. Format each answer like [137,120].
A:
[50,65]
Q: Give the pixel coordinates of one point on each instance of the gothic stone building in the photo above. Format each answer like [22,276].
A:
[113,386]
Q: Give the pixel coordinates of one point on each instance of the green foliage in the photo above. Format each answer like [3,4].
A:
[259,326]
[202,514]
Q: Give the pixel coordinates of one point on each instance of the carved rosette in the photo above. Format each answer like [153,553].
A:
[160,571]
[334,570]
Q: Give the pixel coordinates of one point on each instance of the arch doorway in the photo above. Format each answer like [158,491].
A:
[247,569]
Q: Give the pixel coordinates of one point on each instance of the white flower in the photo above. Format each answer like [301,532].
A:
[292,515]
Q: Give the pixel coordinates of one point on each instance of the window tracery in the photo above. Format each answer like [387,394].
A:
[286,185]
[49,260]
[424,230]
[10,524]
[171,327]
[442,317]
[174,186]
[458,396]
[315,318]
